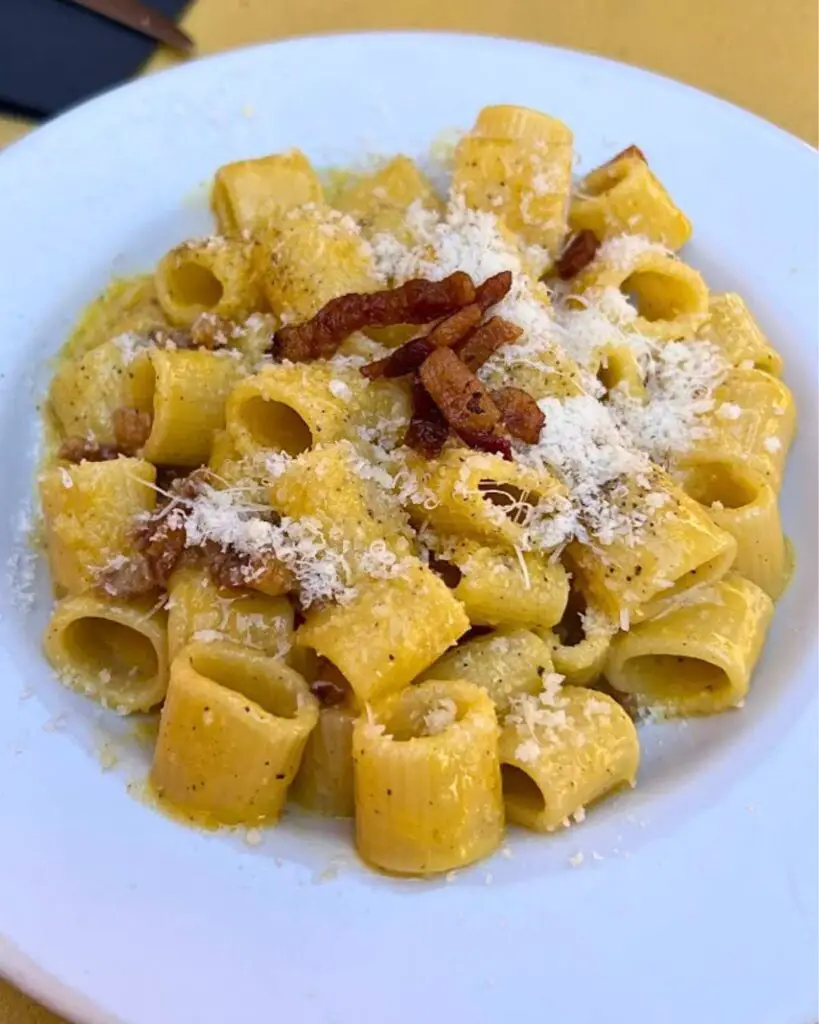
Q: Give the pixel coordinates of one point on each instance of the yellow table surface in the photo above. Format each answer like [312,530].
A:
[760,54]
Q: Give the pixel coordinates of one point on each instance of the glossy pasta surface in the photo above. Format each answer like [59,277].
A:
[407,502]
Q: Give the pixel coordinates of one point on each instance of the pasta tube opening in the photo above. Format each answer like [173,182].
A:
[579,643]
[210,275]
[516,504]
[232,733]
[521,789]
[605,178]
[667,675]
[425,713]
[743,503]
[114,652]
[98,645]
[570,631]
[698,658]
[427,779]
[272,424]
[662,296]
[561,752]
[279,693]
[720,484]
[190,284]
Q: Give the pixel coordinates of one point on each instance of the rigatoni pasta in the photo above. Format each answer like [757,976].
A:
[427,779]
[231,734]
[561,754]
[404,503]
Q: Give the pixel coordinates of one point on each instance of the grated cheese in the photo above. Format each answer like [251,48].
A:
[440,716]
[340,390]
[591,446]
[728,411]
[21,564]
[208,636]
[220,516]
[582,445]
[624,251]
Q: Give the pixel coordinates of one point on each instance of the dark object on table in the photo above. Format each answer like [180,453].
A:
[54,54]
[142,18]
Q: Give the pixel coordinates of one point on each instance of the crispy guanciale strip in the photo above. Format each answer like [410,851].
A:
[132,428]
[211,331]
[466,404]
[405,359]
[493,289]
[169,337]
[160,543]
[577,255]
[520,413]
[416,302]
[455,327]
[409,356]
[486,340]
[232,570]
[81,449]
[428,431]
[628,151]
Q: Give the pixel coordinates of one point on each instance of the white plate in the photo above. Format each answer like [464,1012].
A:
[702,906]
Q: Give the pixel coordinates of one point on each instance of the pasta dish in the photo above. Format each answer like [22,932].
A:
[406,499]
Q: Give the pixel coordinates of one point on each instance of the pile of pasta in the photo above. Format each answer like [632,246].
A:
[406,503]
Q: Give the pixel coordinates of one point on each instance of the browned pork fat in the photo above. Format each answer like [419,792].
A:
[520,413]
[416,302]
[486,340]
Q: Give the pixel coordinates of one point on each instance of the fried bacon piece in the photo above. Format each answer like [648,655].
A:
[133,578]
[81,449]
[232,570]
[160,542]
[416,302]
[408,357]
[455,327]
[428,431]
[169,337]
[486,340]
[132,428]
[577,255]
[486,441]
[405,359]
[159,548]
[520,413]
[628,151]
[466,404]
[493,289]
[210,331]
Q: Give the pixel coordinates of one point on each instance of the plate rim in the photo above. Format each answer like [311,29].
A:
[144,80]
[25,974]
